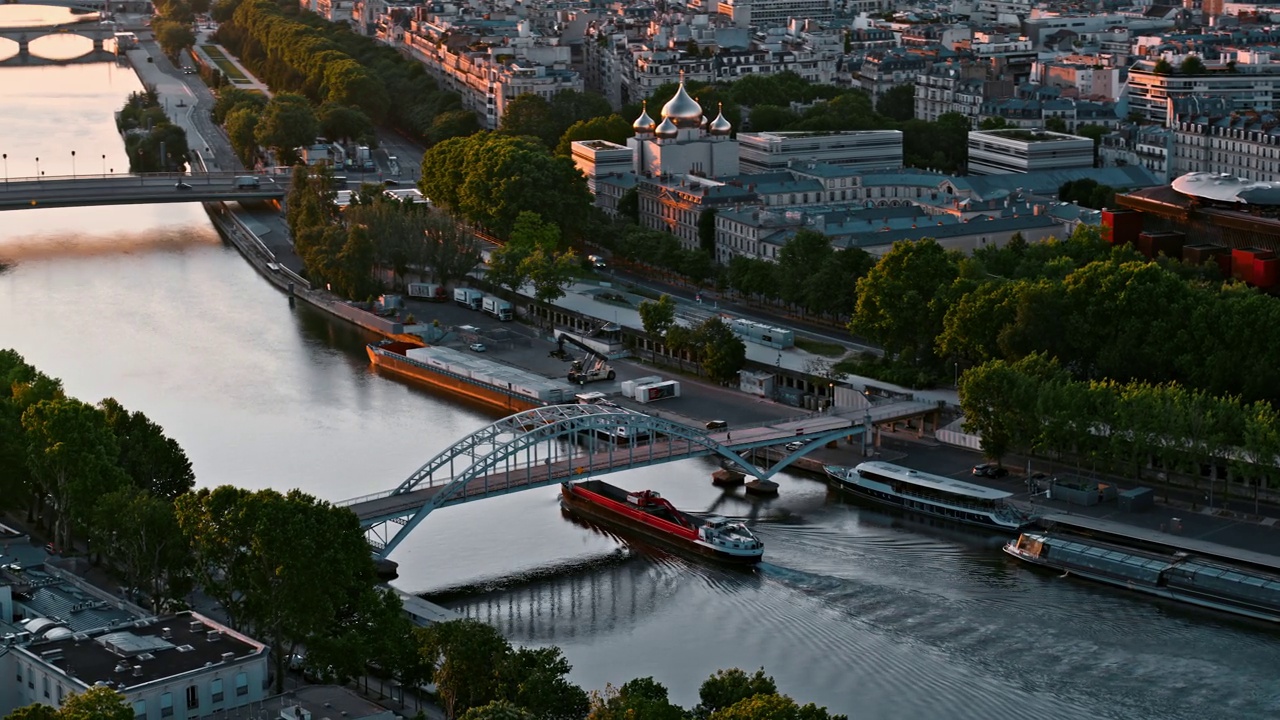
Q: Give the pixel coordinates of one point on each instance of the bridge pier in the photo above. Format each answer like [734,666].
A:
[24,47]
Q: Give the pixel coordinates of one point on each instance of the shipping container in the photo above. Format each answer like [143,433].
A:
[1266,272]
[629,386]
[657,391]
[1242,262]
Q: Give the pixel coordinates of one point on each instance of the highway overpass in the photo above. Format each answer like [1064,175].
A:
[85,190]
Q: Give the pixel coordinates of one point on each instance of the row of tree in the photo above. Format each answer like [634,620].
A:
[153,143]
[1104,313]
[711,345]
[288,569]
[480,676]
[350,250]
[1034,405]
[327,63]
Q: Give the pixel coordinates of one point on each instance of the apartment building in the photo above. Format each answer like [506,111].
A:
[179,667]
[1033,113]
[883,70]
[1250,81]
[489,68]
[956,87]
[860,150]
[766,13]
[1148,146]
[996,152]
[1246,145]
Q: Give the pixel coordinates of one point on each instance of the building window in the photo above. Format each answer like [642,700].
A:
[59,693]
[215,690]
[19,666]
[140,710]
[242,684]
[46,685]
[166,705]
[193,697]
[31,679]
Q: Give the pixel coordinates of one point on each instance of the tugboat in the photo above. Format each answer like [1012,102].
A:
[647,513]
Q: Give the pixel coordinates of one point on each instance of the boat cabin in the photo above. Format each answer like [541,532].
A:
[934,488]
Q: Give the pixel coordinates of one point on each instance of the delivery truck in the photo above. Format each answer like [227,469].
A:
[500,309]
[431,292]
[468,298]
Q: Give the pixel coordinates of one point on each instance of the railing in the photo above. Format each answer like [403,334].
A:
[364,498]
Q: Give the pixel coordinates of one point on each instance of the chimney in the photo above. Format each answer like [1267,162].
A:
[213,636]
[137,671]
[166,633]
[228,656]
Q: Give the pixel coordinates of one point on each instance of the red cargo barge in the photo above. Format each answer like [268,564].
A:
[647,513]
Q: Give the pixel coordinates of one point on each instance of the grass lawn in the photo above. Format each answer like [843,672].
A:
[228,69]
[817,347]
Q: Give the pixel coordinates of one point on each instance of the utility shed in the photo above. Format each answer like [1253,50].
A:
[1136,499]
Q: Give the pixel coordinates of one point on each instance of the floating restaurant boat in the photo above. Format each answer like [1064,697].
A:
[492,383]
[647,513]
[935,495]
[1176,576]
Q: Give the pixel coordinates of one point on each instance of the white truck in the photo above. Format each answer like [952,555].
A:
[468,298]
[431,292]
[498,308]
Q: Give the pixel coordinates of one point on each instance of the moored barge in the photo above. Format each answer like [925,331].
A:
[649,514]
[492,383]
[935,495]
[1175,576]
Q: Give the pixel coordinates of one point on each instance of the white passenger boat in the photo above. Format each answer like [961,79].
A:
[934,495]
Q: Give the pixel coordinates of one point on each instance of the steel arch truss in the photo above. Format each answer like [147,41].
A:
[541,447]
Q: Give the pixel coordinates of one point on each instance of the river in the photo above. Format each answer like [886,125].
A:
[871,615]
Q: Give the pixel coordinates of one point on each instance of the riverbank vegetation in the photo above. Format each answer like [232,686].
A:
[349,250]
[300,52]
[153,143]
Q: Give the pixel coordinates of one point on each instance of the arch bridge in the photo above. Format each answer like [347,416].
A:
[24,36]
[552,444]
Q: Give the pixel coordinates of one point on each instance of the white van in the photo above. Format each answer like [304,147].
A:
[247,182]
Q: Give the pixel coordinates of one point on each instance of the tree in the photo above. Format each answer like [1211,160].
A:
[657,317]
[530,115]
[96,703]
[1055,124]
[993,123]
[728,687]
[640,698]
[287,122]
[723,353]
[452,124]
[771,118]
[21,386]
[773,707]
[342,122]
[452,252]
[498,710]
[72,455]
[534,679]
[1192,65]
[173,36]
[231,97]
[350,83]
[629,205]
[901,301]
[140,533]
[35,711]
[242,129]
[153,461]
[1162,67]
[898,102]
[798,261]
[463,655]
[999,402]
[613,128]
[284,567]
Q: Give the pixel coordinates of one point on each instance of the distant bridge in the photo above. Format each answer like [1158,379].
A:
[23,36]
[131,189]
[558,443]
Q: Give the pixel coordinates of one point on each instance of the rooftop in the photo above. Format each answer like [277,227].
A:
[313,702]
[145,650]
[1028,136]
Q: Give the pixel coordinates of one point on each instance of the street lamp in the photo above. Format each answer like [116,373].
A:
[957,382]
[38,173]
[104,166]
[6,169]
[73,163]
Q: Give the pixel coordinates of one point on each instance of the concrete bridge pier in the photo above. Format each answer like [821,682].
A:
[24,48]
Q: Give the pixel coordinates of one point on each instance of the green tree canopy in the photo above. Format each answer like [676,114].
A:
[613,128]
[898,103]
[343,122]
[902,300]
[728,687]
[1192,65]
[286,123]
[658,316]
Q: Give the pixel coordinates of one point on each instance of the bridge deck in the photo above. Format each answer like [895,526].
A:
[612,458]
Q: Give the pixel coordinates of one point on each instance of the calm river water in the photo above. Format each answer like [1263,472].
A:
[870,615]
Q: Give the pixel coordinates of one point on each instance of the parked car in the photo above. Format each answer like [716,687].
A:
[181,186]
[477,347]
[716,424]
[793,446]
[989,470]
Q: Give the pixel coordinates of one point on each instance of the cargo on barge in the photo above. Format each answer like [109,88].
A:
[492,383]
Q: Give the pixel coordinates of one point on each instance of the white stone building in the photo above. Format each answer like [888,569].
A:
[861,150]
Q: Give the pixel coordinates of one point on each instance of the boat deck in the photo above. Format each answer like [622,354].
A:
[1143,537]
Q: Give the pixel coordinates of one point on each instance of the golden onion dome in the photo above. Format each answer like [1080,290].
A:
[720,126]
[681,109]
[644,123]
[666,129]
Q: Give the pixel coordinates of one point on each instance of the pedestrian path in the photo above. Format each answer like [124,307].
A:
[217,56]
